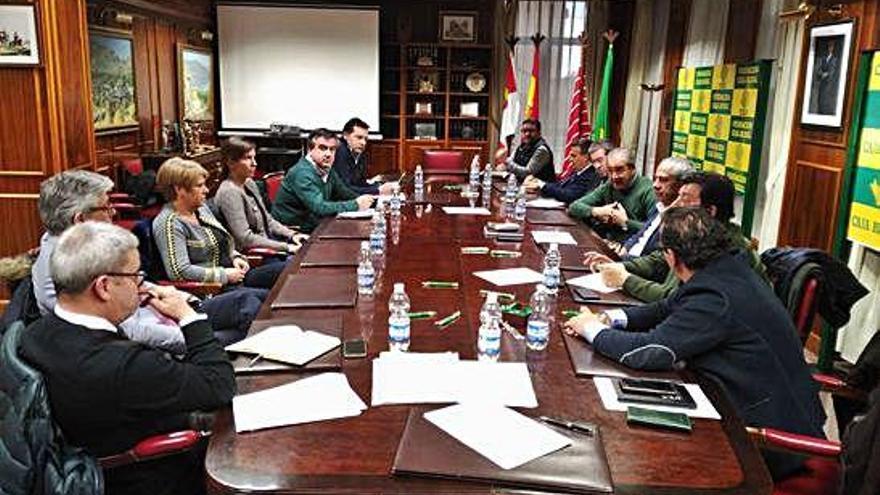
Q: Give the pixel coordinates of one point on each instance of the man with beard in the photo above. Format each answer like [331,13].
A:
[532,157]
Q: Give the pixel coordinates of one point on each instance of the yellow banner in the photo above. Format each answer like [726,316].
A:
[686,78]
[723,76]
[682,121]
[738,155]
[701,100]
[696,146]
[874,83]
[864,225]
[745,102]
[869,147]
[719,127]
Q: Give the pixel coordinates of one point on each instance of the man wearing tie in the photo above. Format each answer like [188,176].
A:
[583,179]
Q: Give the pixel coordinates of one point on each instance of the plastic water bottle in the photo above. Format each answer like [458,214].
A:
[487,181]
[377,235]
[366,275]
[395,201]
[474,176]
[489,335]
[398,319]
[551,269]
[538,329]
[510,192]
[520,209]
[419,183]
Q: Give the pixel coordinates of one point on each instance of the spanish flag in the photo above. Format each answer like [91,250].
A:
[533,103]
[510,104]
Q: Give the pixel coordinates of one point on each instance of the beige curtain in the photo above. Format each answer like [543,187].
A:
[786,40]
[706,32]
[865,316]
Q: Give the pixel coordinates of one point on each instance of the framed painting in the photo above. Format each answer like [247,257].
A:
[114,104]
[19,38]
[195,83]
[826,74]
[458,26]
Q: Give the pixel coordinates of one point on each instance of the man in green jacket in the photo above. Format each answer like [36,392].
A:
[311,190]
[618,208]
[648,278]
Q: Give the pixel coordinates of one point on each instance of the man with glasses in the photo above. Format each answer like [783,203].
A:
[108,392]
[533,156]
[77,196]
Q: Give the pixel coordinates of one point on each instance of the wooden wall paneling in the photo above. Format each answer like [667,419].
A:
[23,117]
[19,210]
[743,21]
[166,64]
[679,17]
[382,158]
[147,89]
[818,155]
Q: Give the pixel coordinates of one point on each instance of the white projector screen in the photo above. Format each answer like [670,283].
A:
[310,67]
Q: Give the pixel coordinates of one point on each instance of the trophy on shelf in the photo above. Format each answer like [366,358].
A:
[188,139]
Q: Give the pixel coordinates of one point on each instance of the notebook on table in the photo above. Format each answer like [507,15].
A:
[332,253]
[426,450]
[311,290]
[332,360]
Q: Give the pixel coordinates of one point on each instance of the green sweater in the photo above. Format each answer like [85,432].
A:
[651,279]
[304,198]
[638,201]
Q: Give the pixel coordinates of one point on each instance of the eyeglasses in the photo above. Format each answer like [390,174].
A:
[139,275]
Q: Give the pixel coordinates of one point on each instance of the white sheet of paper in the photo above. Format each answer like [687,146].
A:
[553,236]
[287,343]
[545,203]
[466,210]
[592,281]
[357,215]
[507,384]
[317,398]
[413,378]
[704,408]
[505,437]
[510,276]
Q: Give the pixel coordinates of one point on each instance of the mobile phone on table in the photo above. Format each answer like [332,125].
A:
[647,386]
[658,419]
[354,348]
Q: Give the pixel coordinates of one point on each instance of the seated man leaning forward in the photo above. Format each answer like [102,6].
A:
[108,392]
[584,177]
[532,157]
[618,208]
[724,323]
[312,190]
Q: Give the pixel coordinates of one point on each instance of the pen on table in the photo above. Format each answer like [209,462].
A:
[446,321]
[422,315]
[254,360]
[568,425]
[439,284]
[474,250]
[501,253]
[502,296]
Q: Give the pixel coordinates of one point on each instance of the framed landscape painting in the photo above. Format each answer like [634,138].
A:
[195,83]
[113,85]
[19,44]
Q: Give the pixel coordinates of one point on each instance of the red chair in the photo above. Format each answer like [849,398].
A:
[443,166]
[273,184]
[821,474]
[155,447]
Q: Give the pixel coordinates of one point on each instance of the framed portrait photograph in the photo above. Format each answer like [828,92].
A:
[826,74]
[426,130]
[195,83]
[19,38]
[424,108]
[458,26]
[111,64]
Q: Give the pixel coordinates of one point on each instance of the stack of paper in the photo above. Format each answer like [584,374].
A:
[592,281]
[466,210]
[286,343]
[412,378]
[356,215]
[510,276]
[317,398]
[545,203]
[704,408]
[553,236]
[505,437]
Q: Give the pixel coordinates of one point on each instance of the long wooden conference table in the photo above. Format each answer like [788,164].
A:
[355,455]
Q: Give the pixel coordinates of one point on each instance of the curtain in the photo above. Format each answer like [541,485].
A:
[562,22]
[706,32]
[865,317]
[638,129]
[783,43]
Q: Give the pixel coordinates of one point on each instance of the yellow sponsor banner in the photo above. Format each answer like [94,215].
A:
[682,121]
[869,148]
[874,83]
[686,78]
[696,146]
[745,102]
[723,76]
[701,101]
[713,167]
[719,127]
[864,225]
[738,155]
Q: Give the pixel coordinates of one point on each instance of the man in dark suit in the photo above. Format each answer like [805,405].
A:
[583,179]
[724,323]
[349,162]
[108,392]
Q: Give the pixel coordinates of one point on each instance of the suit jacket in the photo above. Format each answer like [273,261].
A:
[304,198]
[653,237]
[107,392]
[353,172]
[572,187]
[727,324]
[248,219]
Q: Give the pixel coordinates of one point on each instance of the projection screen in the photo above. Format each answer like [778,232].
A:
[306,66]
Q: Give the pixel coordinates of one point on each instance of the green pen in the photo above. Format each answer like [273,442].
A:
[448,320]
[439,284]
[501,253]
[475,250]
[422,315]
